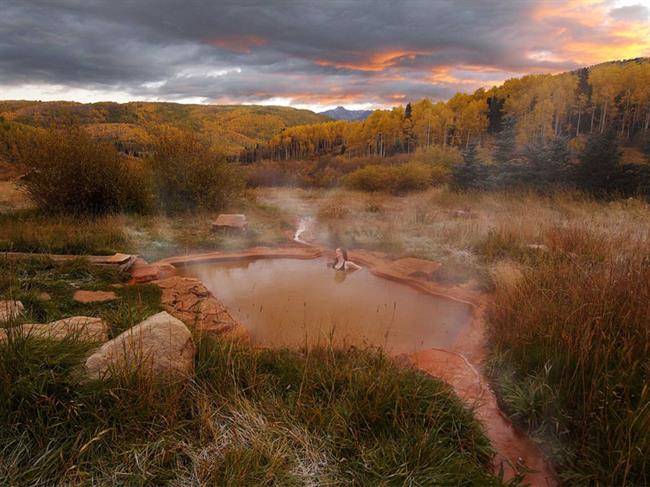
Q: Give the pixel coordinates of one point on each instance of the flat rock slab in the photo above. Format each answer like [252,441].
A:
[83,328]
[230,220]
[159,347]
[123,261]
[82,296]
[142,272]
[10,309]
[190,301]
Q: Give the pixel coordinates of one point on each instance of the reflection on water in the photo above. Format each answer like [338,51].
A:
[289,302]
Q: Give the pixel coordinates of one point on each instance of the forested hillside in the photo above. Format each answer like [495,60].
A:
[613,96]
[229,128]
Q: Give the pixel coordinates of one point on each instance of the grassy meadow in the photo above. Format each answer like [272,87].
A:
[567,352]
[529,196]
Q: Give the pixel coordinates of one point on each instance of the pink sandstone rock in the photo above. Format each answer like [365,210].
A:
[83,296]
[144,273]
[230,220]
[10,309]
[159,347]
[190,301]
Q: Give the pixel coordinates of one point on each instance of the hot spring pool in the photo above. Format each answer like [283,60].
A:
[293,303]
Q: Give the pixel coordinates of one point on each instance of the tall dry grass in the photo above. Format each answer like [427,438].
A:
[30,231]
[470,232]
[571,354]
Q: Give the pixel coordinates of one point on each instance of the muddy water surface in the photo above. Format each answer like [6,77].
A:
[290,302]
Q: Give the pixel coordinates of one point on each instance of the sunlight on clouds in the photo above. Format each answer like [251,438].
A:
[609,38]
[312,62]
[51,92]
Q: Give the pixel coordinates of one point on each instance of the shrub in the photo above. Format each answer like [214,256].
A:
[71,172]
[272,173]
[397,179]
[188,174]
[437,155]
[599,166]
[468,174]
[332,209]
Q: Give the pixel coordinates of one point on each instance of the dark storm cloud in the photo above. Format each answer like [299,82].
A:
[364,51]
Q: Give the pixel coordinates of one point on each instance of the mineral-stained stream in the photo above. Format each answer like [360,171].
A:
[293,303]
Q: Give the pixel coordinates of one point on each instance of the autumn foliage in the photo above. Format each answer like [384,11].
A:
[188,174]
[71,172]
[608,97]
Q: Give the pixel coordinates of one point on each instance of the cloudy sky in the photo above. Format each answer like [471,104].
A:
[313,54]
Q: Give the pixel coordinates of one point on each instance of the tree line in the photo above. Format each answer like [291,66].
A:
[612,97]
[546,165]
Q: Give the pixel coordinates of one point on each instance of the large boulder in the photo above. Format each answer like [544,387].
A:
[159,347]
[10,309]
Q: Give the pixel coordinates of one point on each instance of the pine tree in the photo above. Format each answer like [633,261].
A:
[599,171]
[506,143]
[467,175]
[547,162]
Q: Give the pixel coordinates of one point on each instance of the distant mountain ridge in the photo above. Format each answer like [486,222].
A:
[342,113]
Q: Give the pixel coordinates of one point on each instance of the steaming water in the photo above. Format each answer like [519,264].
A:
[290,302]
[303,225]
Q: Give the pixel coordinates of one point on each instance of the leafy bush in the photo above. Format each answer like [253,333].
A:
[272,173]
[438,155]
[188,174]
[325,172]
[396,179]
[71,172]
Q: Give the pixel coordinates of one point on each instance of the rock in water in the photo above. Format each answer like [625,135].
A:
[160,346]
[10,309]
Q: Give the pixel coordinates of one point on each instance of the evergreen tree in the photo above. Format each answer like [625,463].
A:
[467,175]
[495,114]
[599,171]
[547,162]
[506,143]
[408,111]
